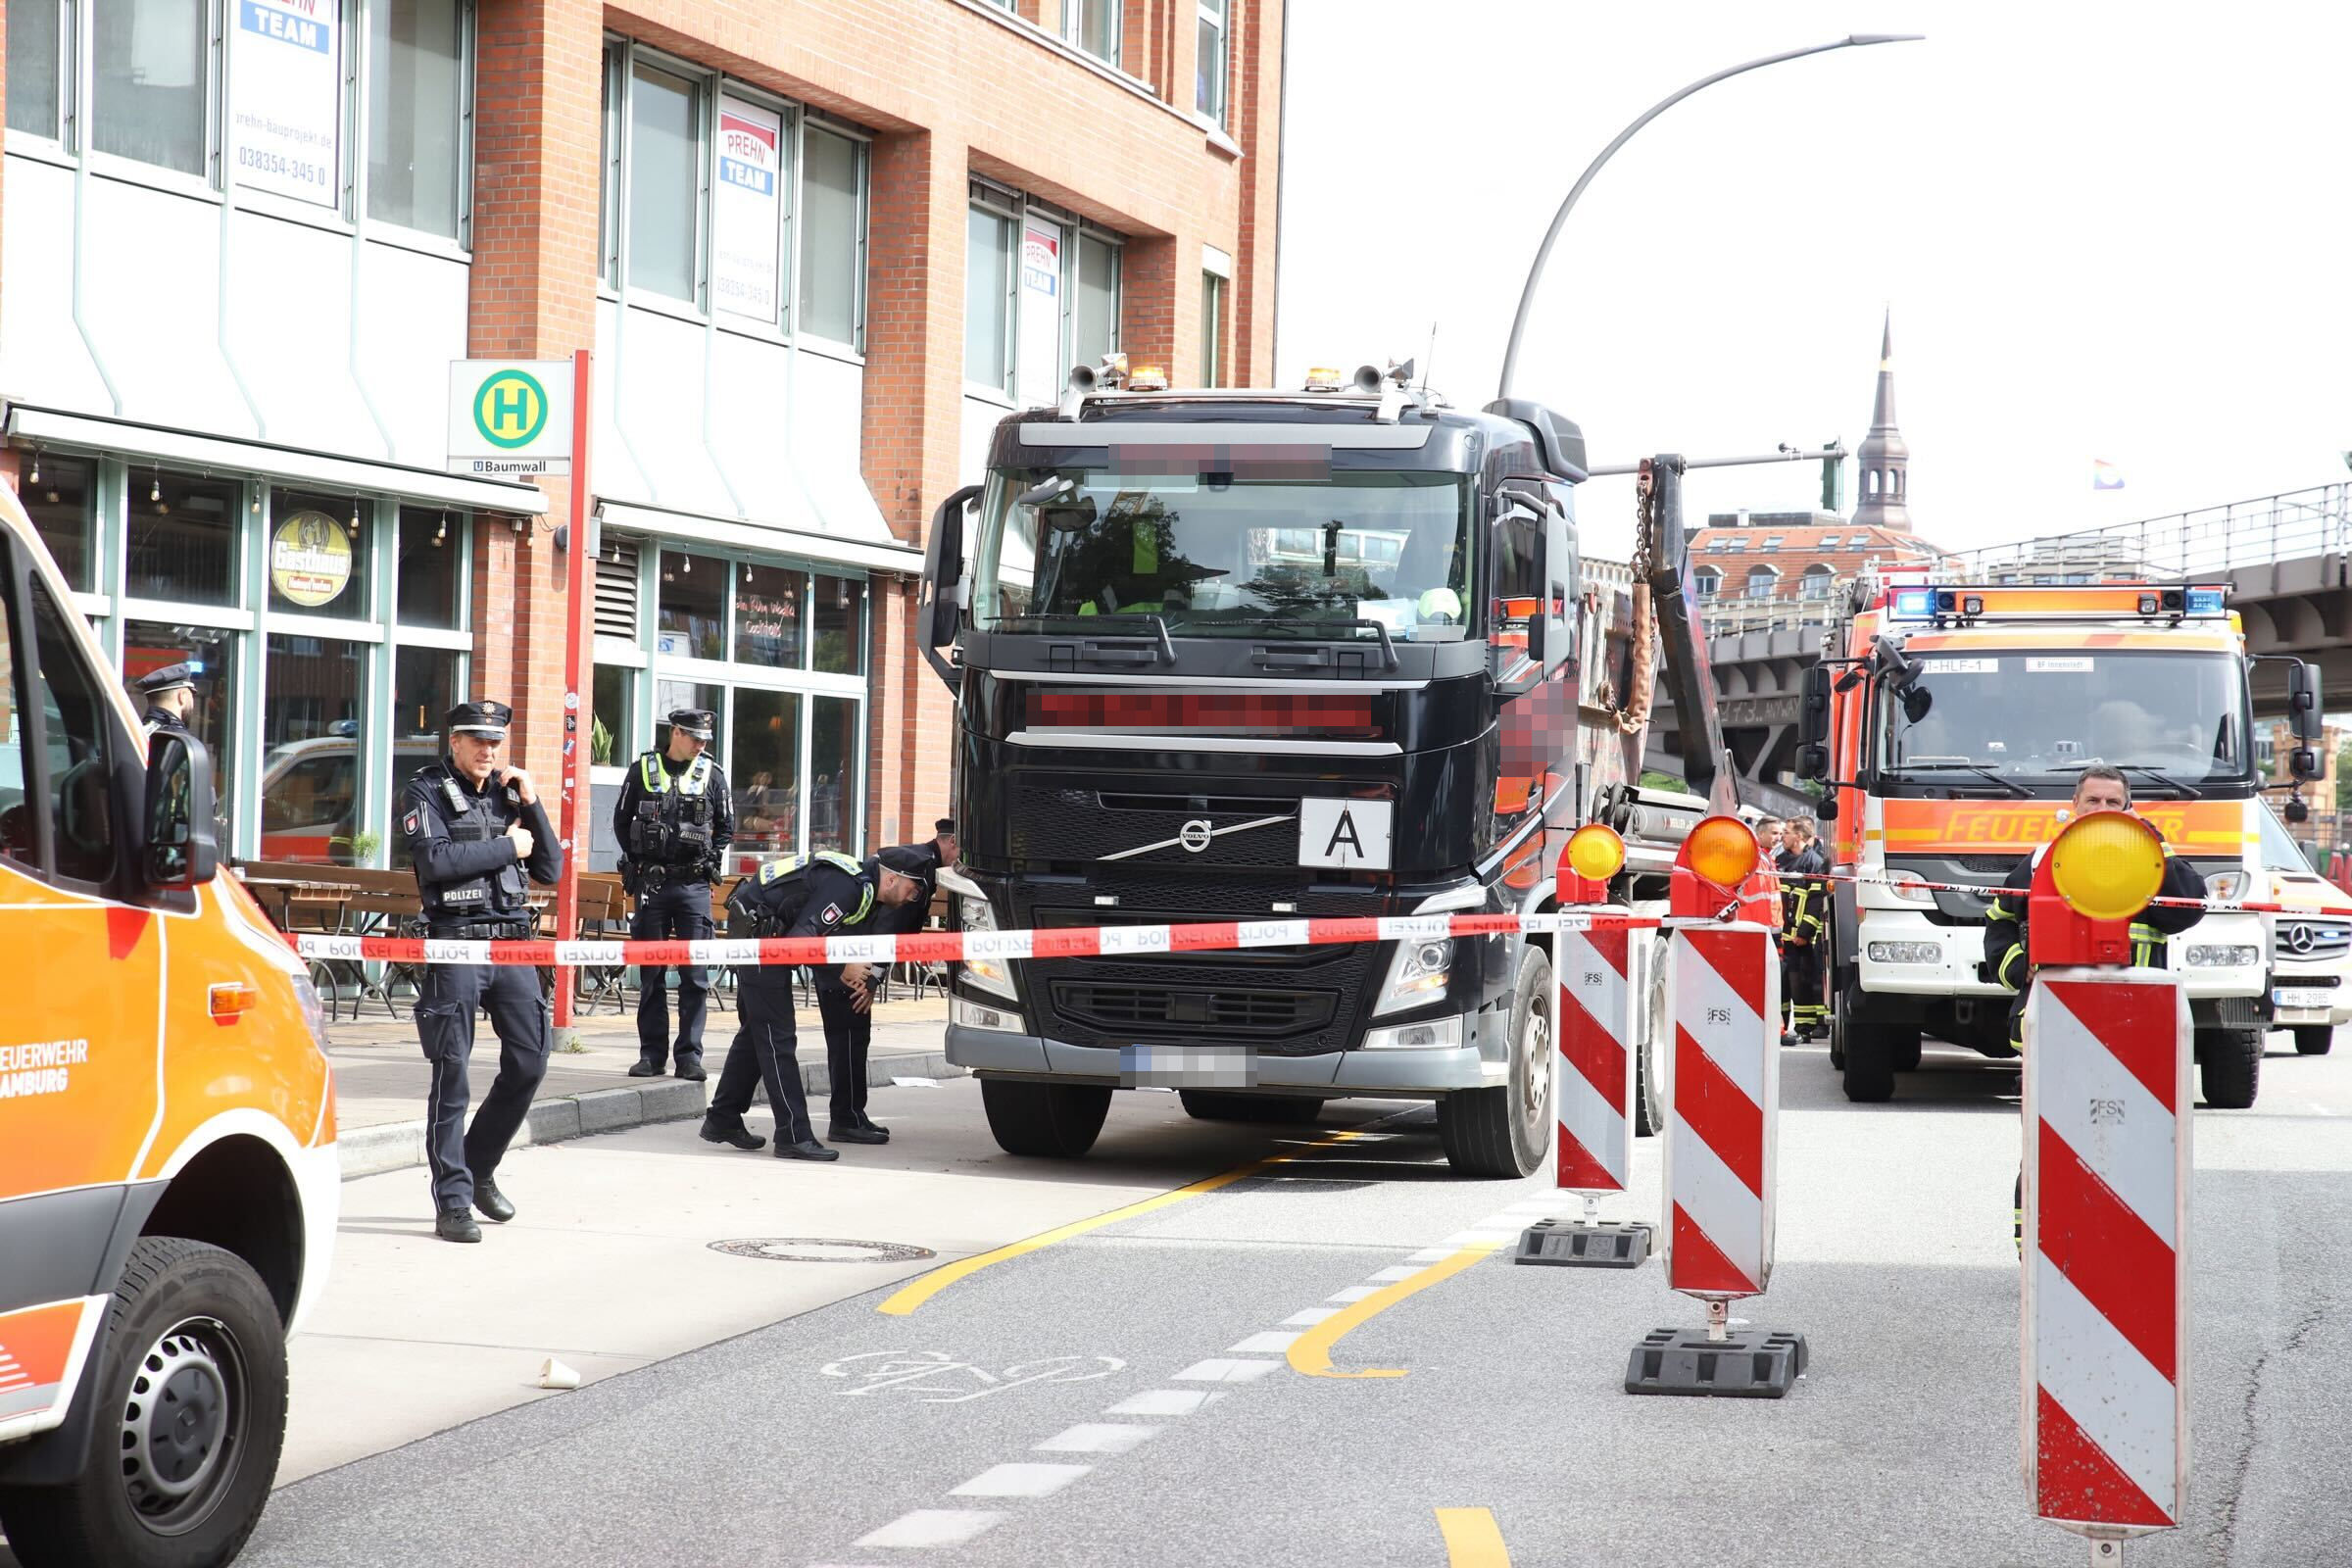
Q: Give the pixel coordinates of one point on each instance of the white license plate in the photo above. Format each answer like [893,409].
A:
[2301,997]
[1188,1067]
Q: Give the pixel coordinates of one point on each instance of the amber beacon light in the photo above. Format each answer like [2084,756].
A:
[2107,865]
[1722,851]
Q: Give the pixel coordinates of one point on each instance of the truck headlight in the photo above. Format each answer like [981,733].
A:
[2224,956]
[1417,974]
[980,1016]
[2227,886]
[1910,887]
[1435,1034]
[988,974]
[1906,951]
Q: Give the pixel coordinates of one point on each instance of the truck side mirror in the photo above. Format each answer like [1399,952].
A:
[2296,810]
[181,851]
[2303,705]
[2304,763]
[1827,806]
[1813,726]
[943,568]
[1813,761]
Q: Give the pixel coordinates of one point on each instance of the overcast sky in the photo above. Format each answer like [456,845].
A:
[2104,236]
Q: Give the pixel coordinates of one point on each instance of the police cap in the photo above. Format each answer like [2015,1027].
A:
[698,722]
[905,859]
[480,718]
[187,672]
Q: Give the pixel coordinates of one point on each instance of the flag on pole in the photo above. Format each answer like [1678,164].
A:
[2105,475]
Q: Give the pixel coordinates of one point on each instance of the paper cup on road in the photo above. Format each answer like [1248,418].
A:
[553,1374]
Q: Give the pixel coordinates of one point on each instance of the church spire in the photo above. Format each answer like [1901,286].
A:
[1884,460]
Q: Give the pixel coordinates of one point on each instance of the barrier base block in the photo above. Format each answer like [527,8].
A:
[1754,1366]
[1584,1245]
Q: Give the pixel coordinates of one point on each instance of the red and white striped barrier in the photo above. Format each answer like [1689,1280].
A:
[934,947]
[2105,1323]
[1723,1109]
[1593,1085]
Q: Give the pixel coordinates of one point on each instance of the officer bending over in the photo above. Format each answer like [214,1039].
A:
[475,827]
[845,997]
[673,822]
[828,894]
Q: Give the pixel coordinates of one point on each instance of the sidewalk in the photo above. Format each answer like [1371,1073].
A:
[380,1076]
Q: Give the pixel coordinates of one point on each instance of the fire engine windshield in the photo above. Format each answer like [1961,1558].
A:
[1349,555]
[2030,721]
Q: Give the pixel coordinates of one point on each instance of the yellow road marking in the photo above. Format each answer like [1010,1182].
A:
[1472,1539]
[1311,1352]
[924,1287]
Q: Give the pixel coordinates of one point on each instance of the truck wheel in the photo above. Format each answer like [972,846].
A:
[191,1385]
[1845,1007]
[1503,1132]
[1278,1110]
[2314,1039]
[2229,1068]
[1649,1089]
[1903,1049]
[1045,1121]
[1870,1060]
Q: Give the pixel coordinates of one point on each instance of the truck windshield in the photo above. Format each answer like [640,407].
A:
[1342,556]
[2036,718]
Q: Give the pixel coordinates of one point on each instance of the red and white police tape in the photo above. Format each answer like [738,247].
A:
[933,947]
[2105,1406]
[1723,1109]
[1594,1084]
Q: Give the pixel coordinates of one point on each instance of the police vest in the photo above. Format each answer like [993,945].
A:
[474,819]
[677,832]
[773,900]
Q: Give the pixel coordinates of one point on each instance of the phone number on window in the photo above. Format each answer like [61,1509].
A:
[270,163]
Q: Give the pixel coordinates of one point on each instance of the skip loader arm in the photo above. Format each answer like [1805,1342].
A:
[1706,759]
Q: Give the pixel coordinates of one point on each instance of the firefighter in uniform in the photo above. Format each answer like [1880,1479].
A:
[674,820]
[474,830]
[827,894]
[171,694]
[1804,904]
[2007,957]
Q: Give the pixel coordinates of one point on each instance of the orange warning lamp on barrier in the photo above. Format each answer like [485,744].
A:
[2100,872]
[1717,863]
[1593,856]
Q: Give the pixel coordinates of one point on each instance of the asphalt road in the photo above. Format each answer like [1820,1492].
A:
[1129,1393]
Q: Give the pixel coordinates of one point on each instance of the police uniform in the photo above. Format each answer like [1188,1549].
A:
[848,1028]
[169,678]
[673,822]
[473,888]
[1804,902]
[826,895]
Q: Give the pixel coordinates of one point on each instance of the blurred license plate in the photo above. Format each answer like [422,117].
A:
[2300,996]
[1188,1067]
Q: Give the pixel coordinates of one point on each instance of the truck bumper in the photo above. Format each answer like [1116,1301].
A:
[1958,950]
[1410,1073]
[2310,994]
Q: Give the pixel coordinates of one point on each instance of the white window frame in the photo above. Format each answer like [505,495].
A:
[358,85]
[1218,13]
[704,85]
[802,122]
[1010,208]
[1073,28]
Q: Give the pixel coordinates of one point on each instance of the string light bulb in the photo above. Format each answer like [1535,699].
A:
[441,533]
[155,487]
[36,469]
[355,517]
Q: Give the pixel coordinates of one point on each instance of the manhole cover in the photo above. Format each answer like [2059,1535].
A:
[820,1250]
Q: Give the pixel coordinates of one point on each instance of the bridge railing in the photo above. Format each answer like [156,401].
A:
[2208,542]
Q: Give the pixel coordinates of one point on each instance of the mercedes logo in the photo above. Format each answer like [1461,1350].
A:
[2299,938]
[1196,834]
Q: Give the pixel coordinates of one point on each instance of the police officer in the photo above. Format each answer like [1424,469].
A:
[2008,961]
[171,694]
[827,894]
[475,827]
[1804,901]
[845,992]
[674,820]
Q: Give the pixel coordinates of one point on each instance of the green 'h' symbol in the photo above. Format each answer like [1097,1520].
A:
[511,409]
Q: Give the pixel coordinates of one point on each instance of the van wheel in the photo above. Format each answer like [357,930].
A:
[1503,1132]
[2229,1068]
[1043,1121]
[2314,1039]
[1279,1110]
[191,1383]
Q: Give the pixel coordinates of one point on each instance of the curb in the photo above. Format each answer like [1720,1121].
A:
[400,1145]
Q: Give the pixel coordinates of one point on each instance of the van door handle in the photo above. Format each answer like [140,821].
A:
[1273,659]
[1102,653]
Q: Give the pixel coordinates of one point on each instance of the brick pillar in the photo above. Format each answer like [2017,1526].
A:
[537,162]
[913,426]
[1147,307]
[1255,120]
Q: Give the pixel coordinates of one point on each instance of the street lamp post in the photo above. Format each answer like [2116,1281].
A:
[1535,274]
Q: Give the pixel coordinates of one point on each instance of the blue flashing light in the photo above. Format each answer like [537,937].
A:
[2204,600]
[1914,603]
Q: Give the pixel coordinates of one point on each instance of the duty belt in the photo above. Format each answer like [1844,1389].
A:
[514,930]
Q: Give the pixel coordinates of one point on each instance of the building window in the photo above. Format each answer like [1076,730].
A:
[1734,547]
[427,683]
[310,735]
[319,554]
[37,67]
[1816,582]
[82,840]
[768,617]
[57,496]
[1707,582]
[1095,301]
[835,795]
[1213,329]
[746,217]
[1772,543]
[181,539]
[987,300]
[832,234]
[151,69]
[665,183]
[1215,61]
[432,557]
[417,97]
[1094,26]
[1761,580]
[765,770]
[692,619]
[839,619]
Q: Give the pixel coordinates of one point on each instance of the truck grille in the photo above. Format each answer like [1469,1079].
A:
[2311,941]
[1148,1009]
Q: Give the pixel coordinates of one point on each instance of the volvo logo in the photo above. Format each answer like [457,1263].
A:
[1196,834]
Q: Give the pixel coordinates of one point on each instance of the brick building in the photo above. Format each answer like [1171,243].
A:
[817,246]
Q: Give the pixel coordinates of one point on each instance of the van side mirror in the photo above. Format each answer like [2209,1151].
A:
[180,851]
[2303,705]
[1813,721]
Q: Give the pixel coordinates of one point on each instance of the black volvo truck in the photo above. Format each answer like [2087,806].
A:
[1260,655]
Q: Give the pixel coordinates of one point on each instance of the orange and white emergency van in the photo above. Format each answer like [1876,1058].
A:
[168,1184]
[2311,948]
[1953,722]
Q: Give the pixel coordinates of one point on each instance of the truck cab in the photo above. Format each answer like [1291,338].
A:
[1264,657]
[168,1183]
